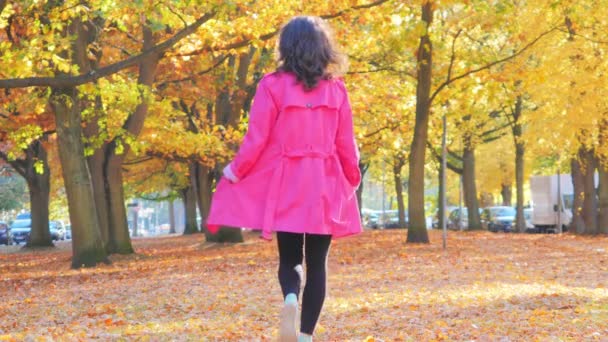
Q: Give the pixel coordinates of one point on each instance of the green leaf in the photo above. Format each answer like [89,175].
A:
[39,167]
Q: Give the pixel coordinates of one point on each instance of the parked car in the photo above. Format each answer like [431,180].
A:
[5,234]
[68,231]
[370,218]
[57,230]
[435,222]
[20,229]
[498,219]
[530,228]
[24,216]
[456,221]
[389,219]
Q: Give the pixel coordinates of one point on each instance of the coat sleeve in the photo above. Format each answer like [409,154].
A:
[346,145]
[262,116]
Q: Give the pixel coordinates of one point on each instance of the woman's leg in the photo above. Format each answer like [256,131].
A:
[290,255]
[317,248]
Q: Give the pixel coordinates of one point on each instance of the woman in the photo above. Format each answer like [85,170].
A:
[297,169]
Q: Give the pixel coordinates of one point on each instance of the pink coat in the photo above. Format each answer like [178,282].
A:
[297,168]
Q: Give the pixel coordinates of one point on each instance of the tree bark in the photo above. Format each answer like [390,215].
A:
[399,162]
[520,220]
[87,246]
[39,189]
[440,197]
[590,197]
[470,187]
[507,194]
[417,232]
[135,226]
[578,224]
[171,217]
[363,168]
[96,167]
[189,197]
[603,199]
[119,240]
[603,178]
[517,130]
[204,179]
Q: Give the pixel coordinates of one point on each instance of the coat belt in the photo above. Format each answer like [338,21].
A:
[277,176]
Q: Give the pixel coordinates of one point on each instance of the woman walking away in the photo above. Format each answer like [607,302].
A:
[297,169]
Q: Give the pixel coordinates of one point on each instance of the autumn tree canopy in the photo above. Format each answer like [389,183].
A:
[145,97]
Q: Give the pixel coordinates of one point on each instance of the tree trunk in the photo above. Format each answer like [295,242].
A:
[363,169]
[189,197]
[96,168]
[399,162]
[517,130]
[171,217]
[87,246]
[578,224]
[506,193]
[469,187]
[440,198]
[204,178]
[39,189]
[590,197]
[417,232]
[135,226]
[520,220]
[603,199]
[120,242]
[602,166]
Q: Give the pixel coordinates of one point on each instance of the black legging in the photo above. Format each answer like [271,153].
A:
[290,255]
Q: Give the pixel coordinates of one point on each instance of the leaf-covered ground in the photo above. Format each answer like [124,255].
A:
[486,287]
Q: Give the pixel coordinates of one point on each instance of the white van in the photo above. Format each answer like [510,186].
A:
[549,194]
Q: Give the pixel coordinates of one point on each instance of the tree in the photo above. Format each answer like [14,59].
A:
[479,15]
[23,145]
[87,245]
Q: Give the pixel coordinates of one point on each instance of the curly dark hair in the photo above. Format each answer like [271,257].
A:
[307,49]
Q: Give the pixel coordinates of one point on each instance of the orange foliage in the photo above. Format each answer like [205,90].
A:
[486,287]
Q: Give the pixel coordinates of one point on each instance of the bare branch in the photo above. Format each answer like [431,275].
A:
[597,41]
[369,71]
[177,14]
[449,164]
[120,48]
[453,57]
[491,64]
[137,161]
[190,78]
[391,128]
